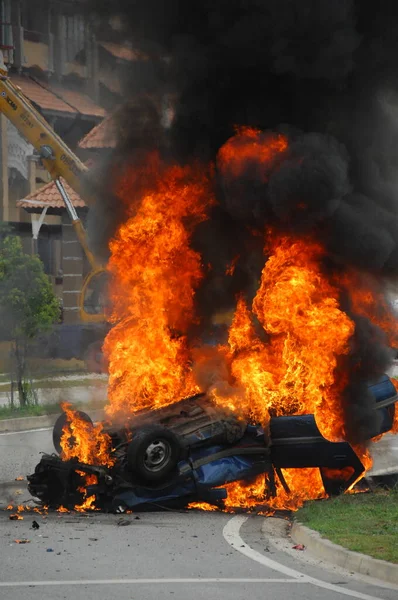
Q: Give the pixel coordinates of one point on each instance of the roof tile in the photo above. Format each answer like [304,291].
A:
[58,98]
[80,101]
[123,52]
[41,95]
[49,196]
[102,135]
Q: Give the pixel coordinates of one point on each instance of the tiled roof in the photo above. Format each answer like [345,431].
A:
[80,101]
[49,196]
[102,135]
[123,52]
[57,98]
[41,96]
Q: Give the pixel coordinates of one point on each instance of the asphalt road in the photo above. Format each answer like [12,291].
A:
[175,555]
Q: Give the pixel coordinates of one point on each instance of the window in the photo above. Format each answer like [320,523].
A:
[6,40]
[75,35]
[34,16]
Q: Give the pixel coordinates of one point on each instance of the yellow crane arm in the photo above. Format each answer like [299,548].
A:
[58,159]
[56,156]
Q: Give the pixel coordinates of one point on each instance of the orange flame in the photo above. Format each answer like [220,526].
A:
[252,147]
[288,367]
[202,506]
[304,484]
[88,504]
[155,274]
[84,441]
[286,352]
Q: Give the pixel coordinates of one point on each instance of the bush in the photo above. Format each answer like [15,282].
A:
[28,305]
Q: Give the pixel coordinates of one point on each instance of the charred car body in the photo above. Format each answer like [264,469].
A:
[187,451]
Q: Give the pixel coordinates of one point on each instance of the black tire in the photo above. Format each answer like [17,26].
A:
[153,453]
[60,424]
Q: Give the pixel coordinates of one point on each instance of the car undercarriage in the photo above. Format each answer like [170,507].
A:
[188,451]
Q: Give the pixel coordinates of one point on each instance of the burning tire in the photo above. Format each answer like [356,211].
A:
[153,453]
[60,424]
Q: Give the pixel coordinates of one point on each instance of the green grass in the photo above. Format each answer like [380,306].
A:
[38,410]
[366,522]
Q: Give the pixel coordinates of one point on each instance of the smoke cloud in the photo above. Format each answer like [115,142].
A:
[320,73]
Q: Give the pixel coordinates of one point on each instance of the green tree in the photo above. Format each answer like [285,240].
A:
[28,304]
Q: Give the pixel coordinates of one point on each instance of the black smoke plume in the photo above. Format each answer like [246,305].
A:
[324,74]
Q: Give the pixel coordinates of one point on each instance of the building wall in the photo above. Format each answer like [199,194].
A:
[36,54]
[44,36]
[61,44]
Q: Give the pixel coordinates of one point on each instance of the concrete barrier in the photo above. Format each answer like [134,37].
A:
[337,555]
[27,423]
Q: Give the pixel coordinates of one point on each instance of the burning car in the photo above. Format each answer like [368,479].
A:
[187,451]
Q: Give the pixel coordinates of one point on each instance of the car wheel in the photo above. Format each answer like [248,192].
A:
[153,453]
[59,426]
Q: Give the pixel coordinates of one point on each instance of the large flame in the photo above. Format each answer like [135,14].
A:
[287,349]
[287,364]
[155,274]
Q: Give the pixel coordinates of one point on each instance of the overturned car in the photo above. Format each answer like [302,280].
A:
[186,452]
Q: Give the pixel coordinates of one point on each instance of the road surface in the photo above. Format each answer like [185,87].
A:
[209,556]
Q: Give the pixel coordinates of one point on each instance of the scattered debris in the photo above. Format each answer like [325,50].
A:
[49,550]
[20,478]
[123,522]
[35,525]
[15,517]
[18,492]
[22,541]
[299,547]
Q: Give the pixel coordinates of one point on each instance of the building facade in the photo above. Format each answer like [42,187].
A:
[68,67]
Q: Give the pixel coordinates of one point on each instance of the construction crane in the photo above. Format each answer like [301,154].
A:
[60,161]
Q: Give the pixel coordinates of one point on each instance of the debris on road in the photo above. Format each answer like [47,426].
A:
[15,517]
[22,541]
[35,525]
[298,547]
[20,478]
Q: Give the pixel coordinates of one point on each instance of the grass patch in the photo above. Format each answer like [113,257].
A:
[38,410]
[366,523]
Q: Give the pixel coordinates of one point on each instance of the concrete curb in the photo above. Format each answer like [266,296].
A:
[352,561]
[26,423]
